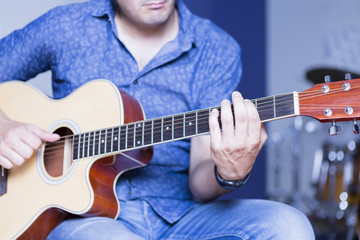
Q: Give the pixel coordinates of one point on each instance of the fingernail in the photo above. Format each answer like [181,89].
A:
[225,101]
[237,93]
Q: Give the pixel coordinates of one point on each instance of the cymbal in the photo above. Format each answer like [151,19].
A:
[316,75]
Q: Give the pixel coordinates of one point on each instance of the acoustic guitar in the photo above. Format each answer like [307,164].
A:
[76,175]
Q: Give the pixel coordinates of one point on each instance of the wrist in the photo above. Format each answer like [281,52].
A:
[230,184]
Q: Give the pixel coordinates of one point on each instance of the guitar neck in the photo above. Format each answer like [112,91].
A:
[170,128]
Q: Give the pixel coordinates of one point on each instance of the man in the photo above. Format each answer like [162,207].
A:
[172,62]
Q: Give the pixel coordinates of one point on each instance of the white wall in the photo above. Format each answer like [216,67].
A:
[296,35]
[15,14]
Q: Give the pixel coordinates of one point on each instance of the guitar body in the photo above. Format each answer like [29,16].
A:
[51,186]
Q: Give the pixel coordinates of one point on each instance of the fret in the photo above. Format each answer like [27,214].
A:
[115,139]
[85,145]
[102,142]
[167,129]
[148,133]
[75,147]
[96,142]
[112,140]
[130,137]
[82,145]
[265,108]
[157,130]
[152,131]
[178,126]
[284,105]
[142,134]
[196,122]
[138,134]
[203,121]
[279,106]
[108,140]
[79,147]
[162,129]
[88,145]
[184,124]
[126,136]
[172,127]
[122,137]
[92,144]
[190,124]
[274,106]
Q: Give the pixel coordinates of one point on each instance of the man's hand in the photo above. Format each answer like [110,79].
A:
[235,147]
[19,141]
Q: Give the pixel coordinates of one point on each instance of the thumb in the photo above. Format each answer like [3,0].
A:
[44,135]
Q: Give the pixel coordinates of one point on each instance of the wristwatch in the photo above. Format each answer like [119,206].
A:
[230,184]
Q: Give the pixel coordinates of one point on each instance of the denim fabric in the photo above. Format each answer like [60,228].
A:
[79,42]
[231,219]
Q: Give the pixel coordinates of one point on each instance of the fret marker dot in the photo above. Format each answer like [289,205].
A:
[139,125]
[102,141]
[190,123]
[167,128]
[115,138]
[138,142]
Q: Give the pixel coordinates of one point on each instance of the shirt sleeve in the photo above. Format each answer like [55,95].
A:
[23,53]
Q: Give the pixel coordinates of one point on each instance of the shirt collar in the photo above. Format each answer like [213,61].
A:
[105,8]
[186,31]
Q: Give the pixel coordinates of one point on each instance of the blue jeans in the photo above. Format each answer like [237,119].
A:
[230,219]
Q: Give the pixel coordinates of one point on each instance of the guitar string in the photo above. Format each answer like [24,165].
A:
[261,102]
[165,123]
[132,132]
[202,115]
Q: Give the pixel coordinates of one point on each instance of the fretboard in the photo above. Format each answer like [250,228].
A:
[170,128]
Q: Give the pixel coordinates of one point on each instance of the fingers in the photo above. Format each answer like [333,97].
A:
[240,115]
[12,157]
[20,141]
[254,125]
[215,132]
[236,145]
[44,135]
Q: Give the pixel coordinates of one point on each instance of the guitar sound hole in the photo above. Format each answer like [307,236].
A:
[57,155]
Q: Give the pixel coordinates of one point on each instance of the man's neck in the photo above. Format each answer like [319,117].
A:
[144,42]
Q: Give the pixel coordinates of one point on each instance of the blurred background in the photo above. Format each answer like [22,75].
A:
[286,46]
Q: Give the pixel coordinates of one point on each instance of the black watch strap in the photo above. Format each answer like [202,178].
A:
[230,184]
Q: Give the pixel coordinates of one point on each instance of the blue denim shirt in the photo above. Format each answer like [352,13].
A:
[79,43]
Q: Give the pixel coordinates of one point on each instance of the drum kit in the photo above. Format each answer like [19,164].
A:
[334,207]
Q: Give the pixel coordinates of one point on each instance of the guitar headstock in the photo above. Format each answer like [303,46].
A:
[332,101]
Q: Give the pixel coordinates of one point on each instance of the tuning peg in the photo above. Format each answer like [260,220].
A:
[328,79]
[356,128]
[334,129]
[348,76]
